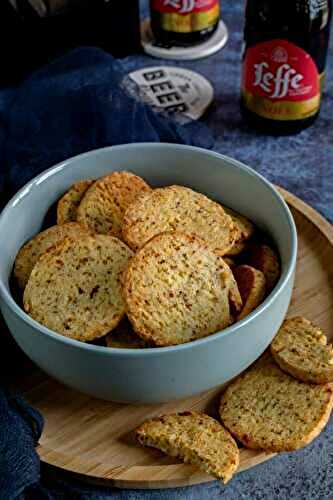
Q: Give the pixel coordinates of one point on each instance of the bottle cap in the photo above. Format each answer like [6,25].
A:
[156,49]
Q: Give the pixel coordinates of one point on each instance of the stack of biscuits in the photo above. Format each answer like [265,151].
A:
[142,267]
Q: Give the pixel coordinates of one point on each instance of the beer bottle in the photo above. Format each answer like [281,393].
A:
[36,31]
[184,22]
[284,63]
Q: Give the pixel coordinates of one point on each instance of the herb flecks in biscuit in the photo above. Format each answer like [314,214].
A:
[300,348]
[195,438]
[177,289]
[33,249]
[245,229]
[70,201]
[264,408]
[75,287]
[177,208]
[103,206]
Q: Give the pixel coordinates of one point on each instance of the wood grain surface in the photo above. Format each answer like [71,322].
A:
[93,438]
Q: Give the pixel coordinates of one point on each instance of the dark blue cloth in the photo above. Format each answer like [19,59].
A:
[75,104]
[20,429]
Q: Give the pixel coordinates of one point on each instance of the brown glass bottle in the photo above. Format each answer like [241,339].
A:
[41,30]
[284,62]
[184,22]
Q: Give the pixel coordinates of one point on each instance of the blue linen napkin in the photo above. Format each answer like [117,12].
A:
[75,104]
[20,429]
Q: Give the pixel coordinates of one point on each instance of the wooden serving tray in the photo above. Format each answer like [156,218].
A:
[93,438]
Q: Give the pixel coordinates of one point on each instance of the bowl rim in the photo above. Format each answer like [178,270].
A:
[7,298]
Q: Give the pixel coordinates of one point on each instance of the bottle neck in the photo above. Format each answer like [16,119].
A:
[287,16]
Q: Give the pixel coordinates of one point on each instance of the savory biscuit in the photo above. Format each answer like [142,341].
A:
[231,263]
[252,287]
[195,438]
[33,249]
[300,348]
[103,206]
[245,229]
[70,201]
[178,289]
[75,287]
[265,408]
[177,208]
[265,259]
[123,337]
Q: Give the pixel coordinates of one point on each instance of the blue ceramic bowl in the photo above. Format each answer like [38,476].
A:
[160,374]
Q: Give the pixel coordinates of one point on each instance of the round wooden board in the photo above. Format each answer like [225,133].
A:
[93,438]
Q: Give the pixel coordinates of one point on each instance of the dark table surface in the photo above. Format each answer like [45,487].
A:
[304,165]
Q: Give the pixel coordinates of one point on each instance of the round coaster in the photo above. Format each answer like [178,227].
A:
[173,90]
[207,48]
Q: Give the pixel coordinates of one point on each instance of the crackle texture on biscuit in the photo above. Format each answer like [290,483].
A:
[245,229]
[177,208]
[177,289]
[33,249]
[103,206]
[75,287]
[195,438]
[70,201]
[300,348]
[265,408]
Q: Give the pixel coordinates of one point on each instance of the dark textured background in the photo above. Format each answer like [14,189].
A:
[304,165]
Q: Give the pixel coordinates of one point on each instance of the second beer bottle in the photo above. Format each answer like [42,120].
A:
[184,22]
[284,62]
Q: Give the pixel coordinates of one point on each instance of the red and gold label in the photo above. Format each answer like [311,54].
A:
[184,6]
[186,16]
[280,81]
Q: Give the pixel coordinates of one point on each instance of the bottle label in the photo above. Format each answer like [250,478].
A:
[187,16]
[280,81]
[183,6]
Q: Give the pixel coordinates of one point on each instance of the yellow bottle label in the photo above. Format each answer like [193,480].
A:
[203,20]
[187,16]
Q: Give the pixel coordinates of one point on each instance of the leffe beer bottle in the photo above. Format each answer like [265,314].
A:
[284,63]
